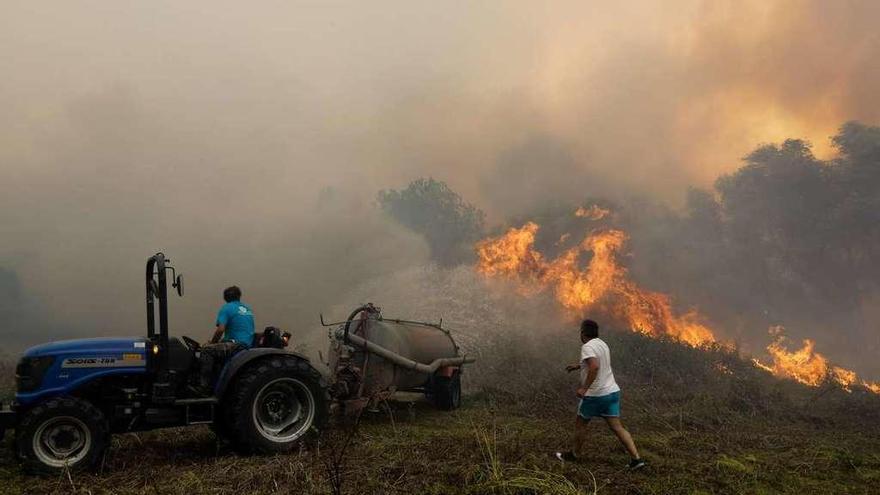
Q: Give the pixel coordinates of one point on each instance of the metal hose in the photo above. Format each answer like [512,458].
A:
[366,307]
[400,360]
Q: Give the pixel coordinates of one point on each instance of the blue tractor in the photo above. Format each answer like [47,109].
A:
[72,395]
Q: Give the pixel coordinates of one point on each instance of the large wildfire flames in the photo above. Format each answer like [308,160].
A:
[604,286]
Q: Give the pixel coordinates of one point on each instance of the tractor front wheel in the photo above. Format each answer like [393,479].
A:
[273,404]
[60,434]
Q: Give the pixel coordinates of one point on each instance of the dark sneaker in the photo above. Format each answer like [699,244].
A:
[636,464]
[566,456]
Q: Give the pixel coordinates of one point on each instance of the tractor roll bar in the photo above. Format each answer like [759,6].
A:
[157,289]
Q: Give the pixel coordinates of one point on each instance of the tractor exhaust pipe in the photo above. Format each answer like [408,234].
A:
[399,360]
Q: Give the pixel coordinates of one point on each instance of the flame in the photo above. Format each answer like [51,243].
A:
[563,238]
[593,212]
[603,285]
[807,366]
[803,365]
[844,377]
[511,253]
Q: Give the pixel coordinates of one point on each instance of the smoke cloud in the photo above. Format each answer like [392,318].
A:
[248,142]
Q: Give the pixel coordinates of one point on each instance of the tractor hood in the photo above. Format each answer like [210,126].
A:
[60,368]
[96,345]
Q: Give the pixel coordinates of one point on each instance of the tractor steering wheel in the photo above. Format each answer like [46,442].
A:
[191,344]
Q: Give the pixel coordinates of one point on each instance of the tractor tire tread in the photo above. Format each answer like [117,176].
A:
[31,419]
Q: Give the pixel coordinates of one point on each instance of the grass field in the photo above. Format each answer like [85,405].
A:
[706,420]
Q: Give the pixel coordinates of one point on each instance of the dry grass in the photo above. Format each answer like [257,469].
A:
[707,421]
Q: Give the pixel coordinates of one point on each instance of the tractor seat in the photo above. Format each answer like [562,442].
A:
[271,337]
[180,357]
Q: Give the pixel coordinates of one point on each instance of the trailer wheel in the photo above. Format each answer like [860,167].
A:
[60,434]
[447,391]
[273,404]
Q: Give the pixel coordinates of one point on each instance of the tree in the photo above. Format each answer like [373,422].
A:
[429,207]
[856,216]
[785,238]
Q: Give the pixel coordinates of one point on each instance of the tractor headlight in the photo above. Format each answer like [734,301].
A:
[30,371]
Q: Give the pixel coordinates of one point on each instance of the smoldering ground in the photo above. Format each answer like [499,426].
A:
[249,142]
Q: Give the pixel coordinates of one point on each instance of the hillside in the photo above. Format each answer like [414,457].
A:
[707,421]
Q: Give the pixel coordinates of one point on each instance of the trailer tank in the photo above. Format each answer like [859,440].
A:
[371,357]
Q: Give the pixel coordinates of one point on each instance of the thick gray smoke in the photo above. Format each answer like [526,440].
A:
[248,142]
[23,315]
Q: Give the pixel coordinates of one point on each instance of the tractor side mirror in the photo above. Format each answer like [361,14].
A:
[178,284]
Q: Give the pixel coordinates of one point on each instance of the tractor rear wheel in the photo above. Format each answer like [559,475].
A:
[273,404]
[60,434]
[447,391]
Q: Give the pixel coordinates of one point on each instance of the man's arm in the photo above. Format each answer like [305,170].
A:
[218,334]
[223,317]
[593,370]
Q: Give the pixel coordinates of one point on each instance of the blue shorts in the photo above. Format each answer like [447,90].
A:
[604,406]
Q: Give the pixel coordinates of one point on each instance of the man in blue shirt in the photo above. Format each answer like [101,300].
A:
[235,320]
[234,332]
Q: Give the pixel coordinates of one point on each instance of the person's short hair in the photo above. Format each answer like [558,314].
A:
[590,328]
[232,294]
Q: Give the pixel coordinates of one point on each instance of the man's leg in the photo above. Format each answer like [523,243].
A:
[208,357]
[623,435]
[213,357]
[580,435]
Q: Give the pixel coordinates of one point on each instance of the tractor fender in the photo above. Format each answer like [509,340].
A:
[240,359]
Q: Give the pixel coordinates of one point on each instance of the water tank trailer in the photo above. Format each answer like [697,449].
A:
[372,357]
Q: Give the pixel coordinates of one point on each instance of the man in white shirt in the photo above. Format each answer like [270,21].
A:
[600,395]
